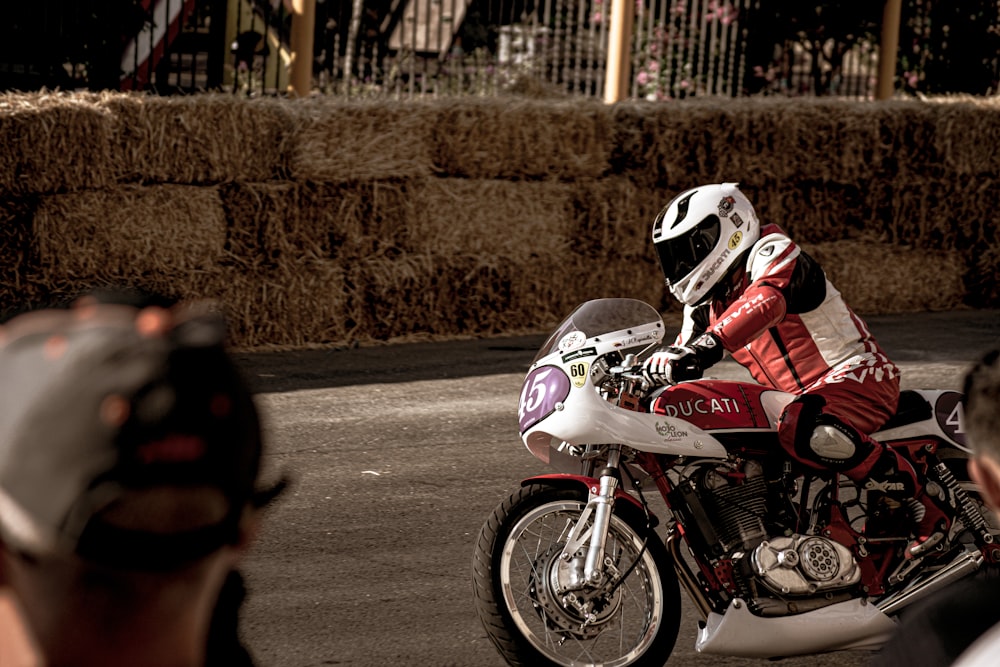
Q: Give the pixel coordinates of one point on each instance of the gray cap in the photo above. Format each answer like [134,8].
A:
[101,400]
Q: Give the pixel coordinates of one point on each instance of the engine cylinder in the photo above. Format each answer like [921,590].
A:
[737,508]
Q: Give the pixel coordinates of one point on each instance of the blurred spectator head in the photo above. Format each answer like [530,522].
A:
[982,424]
[130,450]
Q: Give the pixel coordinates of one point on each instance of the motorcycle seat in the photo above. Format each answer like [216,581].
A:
[912,408]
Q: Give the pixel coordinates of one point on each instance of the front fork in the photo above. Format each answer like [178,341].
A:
[590,538]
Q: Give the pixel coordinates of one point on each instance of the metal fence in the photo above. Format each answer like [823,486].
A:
[404,48]
[680,48]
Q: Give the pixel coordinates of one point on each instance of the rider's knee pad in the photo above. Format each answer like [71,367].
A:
[832,444]
[822,439]
[836,445]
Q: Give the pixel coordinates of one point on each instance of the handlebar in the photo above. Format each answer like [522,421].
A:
[630,369]
[629,373]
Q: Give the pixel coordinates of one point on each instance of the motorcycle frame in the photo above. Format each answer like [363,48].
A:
[874,557]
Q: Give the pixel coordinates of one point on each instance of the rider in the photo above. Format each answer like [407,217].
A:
[751,291]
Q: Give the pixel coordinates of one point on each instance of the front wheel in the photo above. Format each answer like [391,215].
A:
[534,605]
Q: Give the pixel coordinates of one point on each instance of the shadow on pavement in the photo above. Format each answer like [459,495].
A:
[962,335]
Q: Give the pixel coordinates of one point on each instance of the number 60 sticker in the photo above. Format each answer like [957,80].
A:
[542,389]
[578,373]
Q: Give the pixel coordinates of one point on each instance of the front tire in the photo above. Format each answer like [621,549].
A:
[516,579]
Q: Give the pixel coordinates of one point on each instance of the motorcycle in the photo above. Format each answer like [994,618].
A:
[778,559]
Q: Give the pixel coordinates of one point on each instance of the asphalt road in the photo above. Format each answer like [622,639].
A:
[399,453]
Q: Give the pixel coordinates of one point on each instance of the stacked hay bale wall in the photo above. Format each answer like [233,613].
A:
[329,222]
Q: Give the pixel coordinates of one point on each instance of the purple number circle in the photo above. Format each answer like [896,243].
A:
[543,388]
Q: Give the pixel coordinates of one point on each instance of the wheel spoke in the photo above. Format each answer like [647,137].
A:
[619,628]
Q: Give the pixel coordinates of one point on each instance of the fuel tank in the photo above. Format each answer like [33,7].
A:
[714,405]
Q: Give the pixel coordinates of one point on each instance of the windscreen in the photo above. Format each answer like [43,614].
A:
[601,316]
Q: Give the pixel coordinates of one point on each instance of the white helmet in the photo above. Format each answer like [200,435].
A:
[699,235]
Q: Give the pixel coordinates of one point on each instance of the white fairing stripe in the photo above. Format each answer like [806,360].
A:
[834,329]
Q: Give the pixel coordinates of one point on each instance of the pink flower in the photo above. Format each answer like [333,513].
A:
[642,78]
[759,72]
[723,12]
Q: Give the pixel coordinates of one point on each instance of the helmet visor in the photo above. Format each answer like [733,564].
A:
[680,256]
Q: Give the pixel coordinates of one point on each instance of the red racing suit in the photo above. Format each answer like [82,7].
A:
[791,329]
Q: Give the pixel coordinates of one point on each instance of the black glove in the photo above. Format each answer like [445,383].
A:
[679,363]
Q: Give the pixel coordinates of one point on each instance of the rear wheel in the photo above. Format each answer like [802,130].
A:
[534,606]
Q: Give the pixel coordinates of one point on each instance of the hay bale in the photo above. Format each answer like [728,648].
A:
[981,278]
[52,142]
[199,139]
[358,140]
[284,307]
[704,140]
[966,134]
[266,224]
[949,213]
[394,296]
[881,278]
[432,297]
[813,211]
[348,220]
[501,138]
[435,257]
[330,223]
[486,217]
[700,140]
[161,234]
[612,252]
[17,255]
[614,215]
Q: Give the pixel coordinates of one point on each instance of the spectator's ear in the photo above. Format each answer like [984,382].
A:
[985,472]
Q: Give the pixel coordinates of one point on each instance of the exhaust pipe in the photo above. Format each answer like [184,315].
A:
[686,577]
[964,565]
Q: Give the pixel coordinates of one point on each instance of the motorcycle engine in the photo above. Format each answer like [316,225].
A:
[735,499]
[804,565]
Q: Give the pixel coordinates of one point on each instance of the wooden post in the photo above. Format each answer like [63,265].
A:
[619,65]
[300,65]
[888,49]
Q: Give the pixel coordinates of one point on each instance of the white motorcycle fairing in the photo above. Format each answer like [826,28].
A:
[560,402]
[850,625]
[584,417]
[939,412]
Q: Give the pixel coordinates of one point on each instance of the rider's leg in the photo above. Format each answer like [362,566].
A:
[813,430]
[897,478]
